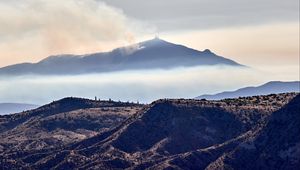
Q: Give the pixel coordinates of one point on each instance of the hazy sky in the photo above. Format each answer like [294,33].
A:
[206,14]
[256,32]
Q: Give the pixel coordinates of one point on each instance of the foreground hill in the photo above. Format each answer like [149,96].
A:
[61,122]
[271,87]
[275,146]
[178,134]
[152,54]
[272,144]
[9,108]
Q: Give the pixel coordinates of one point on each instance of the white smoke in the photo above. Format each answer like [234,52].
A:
[31,29]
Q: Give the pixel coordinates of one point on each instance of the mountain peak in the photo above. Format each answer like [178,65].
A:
[207,51]
[156,41]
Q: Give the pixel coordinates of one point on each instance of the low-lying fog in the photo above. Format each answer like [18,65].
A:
[142,85]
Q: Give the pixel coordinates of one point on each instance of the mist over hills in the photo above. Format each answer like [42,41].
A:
[108,99]
[271,87]
[151,54]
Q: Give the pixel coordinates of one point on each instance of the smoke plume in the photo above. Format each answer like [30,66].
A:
[31,30]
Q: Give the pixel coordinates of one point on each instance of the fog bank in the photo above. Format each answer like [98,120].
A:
[144,86]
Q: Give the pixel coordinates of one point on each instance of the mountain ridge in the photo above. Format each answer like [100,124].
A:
[150,54]
[264,89]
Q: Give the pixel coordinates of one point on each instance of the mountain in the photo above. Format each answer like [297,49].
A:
[8,108]
[272,87]
[152,54]
[166,134]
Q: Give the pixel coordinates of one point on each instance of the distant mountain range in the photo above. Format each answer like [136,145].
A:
[8,108]
[152,54]
[272,87]
[260,132]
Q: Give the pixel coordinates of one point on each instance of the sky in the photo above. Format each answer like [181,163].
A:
[256,32]
[262,34]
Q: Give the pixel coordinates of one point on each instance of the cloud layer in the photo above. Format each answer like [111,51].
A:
[144,86]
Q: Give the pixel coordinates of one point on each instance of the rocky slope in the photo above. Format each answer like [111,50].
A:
[181,134]
[275,146]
